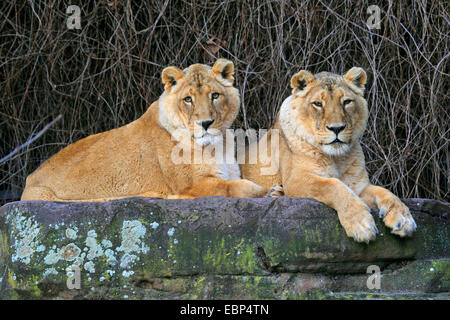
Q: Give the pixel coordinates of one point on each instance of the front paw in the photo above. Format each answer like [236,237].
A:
[275,191]
[359,225]
[396,216]
[247,189]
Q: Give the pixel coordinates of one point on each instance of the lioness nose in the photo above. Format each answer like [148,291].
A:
[336,129]
[206,123]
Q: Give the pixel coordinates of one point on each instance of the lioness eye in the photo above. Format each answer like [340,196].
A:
[317,104]
[188,99]
[215,96]
[346,102]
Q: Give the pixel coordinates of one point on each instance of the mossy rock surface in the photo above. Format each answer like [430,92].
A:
[214,248]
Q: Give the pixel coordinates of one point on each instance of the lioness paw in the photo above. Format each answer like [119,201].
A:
[361,227]
[247,189]
[275,191]
[396,216]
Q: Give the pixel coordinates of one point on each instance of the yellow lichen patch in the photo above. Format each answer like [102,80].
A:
[12,279]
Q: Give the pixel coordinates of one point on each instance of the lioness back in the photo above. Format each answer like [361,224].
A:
[103,165]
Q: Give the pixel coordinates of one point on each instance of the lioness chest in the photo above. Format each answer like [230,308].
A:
[220,168]
[350,170]
[227,171]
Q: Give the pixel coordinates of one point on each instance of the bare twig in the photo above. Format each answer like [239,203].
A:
[40,133]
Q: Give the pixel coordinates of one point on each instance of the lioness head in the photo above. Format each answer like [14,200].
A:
[327,110]
[200,99]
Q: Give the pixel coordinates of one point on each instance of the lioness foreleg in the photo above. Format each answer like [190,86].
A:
[212,186]
[353,213]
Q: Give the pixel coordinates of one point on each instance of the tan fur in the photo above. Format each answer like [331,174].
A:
[335,174]
[135,160]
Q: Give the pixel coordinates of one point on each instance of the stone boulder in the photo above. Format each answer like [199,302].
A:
[214,248]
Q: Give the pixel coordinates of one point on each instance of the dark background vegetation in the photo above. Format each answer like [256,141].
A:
[106,74]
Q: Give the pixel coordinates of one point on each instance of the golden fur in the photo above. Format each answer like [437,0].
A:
[313,164]
[137,159]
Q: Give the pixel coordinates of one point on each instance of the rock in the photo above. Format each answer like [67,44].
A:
[213,248]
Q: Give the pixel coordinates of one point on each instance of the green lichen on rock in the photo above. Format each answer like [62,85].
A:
[215,247]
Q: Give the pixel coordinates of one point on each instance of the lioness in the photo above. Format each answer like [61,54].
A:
[320,155]
[137,159]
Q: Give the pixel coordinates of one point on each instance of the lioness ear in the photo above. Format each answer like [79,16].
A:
[301,79]
[224,68]
[170,76]
[357,76]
